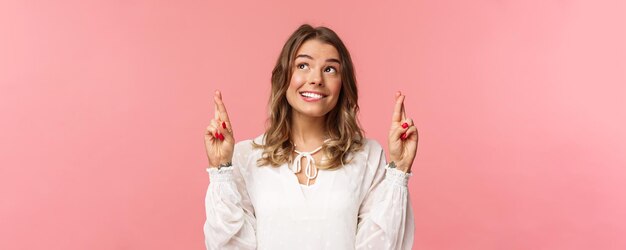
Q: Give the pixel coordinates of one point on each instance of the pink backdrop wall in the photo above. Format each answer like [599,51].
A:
[520,106]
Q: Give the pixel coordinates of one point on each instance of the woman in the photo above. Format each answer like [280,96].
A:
[311,181]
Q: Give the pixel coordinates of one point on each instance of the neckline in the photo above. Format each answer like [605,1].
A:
[310,152]
[311,171]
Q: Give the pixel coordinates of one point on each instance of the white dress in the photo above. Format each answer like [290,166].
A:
[362,205]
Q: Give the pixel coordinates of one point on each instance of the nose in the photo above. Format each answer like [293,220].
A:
[315,78]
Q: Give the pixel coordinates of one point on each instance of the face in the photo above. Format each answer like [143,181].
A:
[316,80]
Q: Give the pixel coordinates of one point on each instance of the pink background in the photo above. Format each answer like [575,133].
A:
[520,107]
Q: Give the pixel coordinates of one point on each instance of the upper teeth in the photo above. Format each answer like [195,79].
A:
[311,95]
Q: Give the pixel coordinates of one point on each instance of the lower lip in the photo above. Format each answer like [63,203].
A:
[309,99]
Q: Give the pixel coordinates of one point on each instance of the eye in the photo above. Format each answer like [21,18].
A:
[330,70]
[302,66]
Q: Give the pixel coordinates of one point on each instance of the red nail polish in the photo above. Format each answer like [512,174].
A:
[403,136]
[217,135]
[224,125]
[405,125]
[221,137]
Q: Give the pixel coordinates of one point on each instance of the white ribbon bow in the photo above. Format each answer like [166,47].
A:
[308,171]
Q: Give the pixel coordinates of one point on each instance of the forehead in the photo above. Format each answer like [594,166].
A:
[318,50]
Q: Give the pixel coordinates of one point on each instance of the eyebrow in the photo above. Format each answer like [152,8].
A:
[328,60]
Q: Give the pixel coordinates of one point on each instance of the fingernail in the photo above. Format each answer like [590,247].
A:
[221,137]
[405,125]
[403,136]
[223,124]
[217,135]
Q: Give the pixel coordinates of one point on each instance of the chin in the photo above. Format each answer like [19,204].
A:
[312,112]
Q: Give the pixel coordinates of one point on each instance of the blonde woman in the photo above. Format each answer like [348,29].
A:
[311,181]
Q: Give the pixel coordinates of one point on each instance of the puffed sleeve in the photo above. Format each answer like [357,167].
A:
[230,221]
[385,217]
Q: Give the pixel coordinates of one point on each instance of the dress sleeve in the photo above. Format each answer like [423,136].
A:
[230,221]
[385,216]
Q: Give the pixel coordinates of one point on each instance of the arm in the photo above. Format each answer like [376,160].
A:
[385,215]
[230,221]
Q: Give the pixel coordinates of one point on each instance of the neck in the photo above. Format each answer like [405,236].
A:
[307,132]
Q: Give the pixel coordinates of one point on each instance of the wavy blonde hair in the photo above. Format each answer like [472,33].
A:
[342,125]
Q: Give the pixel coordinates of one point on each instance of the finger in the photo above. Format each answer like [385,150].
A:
[220,111]
[397,112]
[396,133]
[403,110]
[216,112]
[223,115]
[411,127]
[411,132]
[405,125]
[224,128]
[225,125]
[210,132]
[227,133]
[218,133]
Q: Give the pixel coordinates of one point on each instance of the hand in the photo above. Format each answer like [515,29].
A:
[218,137]
[402,137]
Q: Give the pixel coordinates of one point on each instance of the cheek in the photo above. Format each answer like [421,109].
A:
[335,86]
[296,80]
[294,84]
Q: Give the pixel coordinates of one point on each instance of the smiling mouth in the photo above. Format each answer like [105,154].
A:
[312,95]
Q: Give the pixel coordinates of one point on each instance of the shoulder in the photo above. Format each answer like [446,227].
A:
[371,145]
[246,153]
[248,145]
[371,160]
[370,155]
[376,160]
[372,148]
